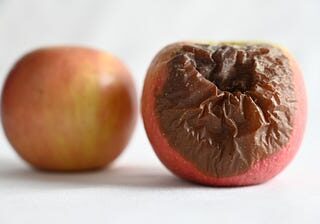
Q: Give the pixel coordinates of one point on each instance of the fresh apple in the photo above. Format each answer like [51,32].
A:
[68,108]
[224,114]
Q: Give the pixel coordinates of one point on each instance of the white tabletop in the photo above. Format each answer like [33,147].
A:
[137,188]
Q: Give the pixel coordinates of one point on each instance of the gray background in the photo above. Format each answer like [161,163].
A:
[137,188]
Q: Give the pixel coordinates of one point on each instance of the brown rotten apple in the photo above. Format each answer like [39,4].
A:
[224,114]
[68,108]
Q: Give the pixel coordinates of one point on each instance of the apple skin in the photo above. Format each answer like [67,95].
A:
[261,172]
[68,108]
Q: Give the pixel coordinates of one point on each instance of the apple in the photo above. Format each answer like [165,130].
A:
[224,114]
[68,108]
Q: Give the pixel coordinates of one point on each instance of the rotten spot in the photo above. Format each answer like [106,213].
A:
[227,106]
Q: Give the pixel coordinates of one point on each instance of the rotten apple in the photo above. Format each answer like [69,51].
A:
[68,108]
[224,114]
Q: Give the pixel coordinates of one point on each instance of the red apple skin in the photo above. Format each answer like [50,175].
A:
[68,108]
[261,172]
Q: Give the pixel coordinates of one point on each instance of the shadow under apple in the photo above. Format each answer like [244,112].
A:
[133,176]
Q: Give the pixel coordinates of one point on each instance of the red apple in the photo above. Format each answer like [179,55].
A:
[68,108]
[225,114]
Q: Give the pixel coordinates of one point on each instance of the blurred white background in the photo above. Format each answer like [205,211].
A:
[137,188]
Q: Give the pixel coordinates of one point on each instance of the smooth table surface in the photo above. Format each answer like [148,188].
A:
[137,188]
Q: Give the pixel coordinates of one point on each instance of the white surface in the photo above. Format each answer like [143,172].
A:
[137,189]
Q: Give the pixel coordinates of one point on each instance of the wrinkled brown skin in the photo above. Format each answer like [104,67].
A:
[258,172]
[68,108]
